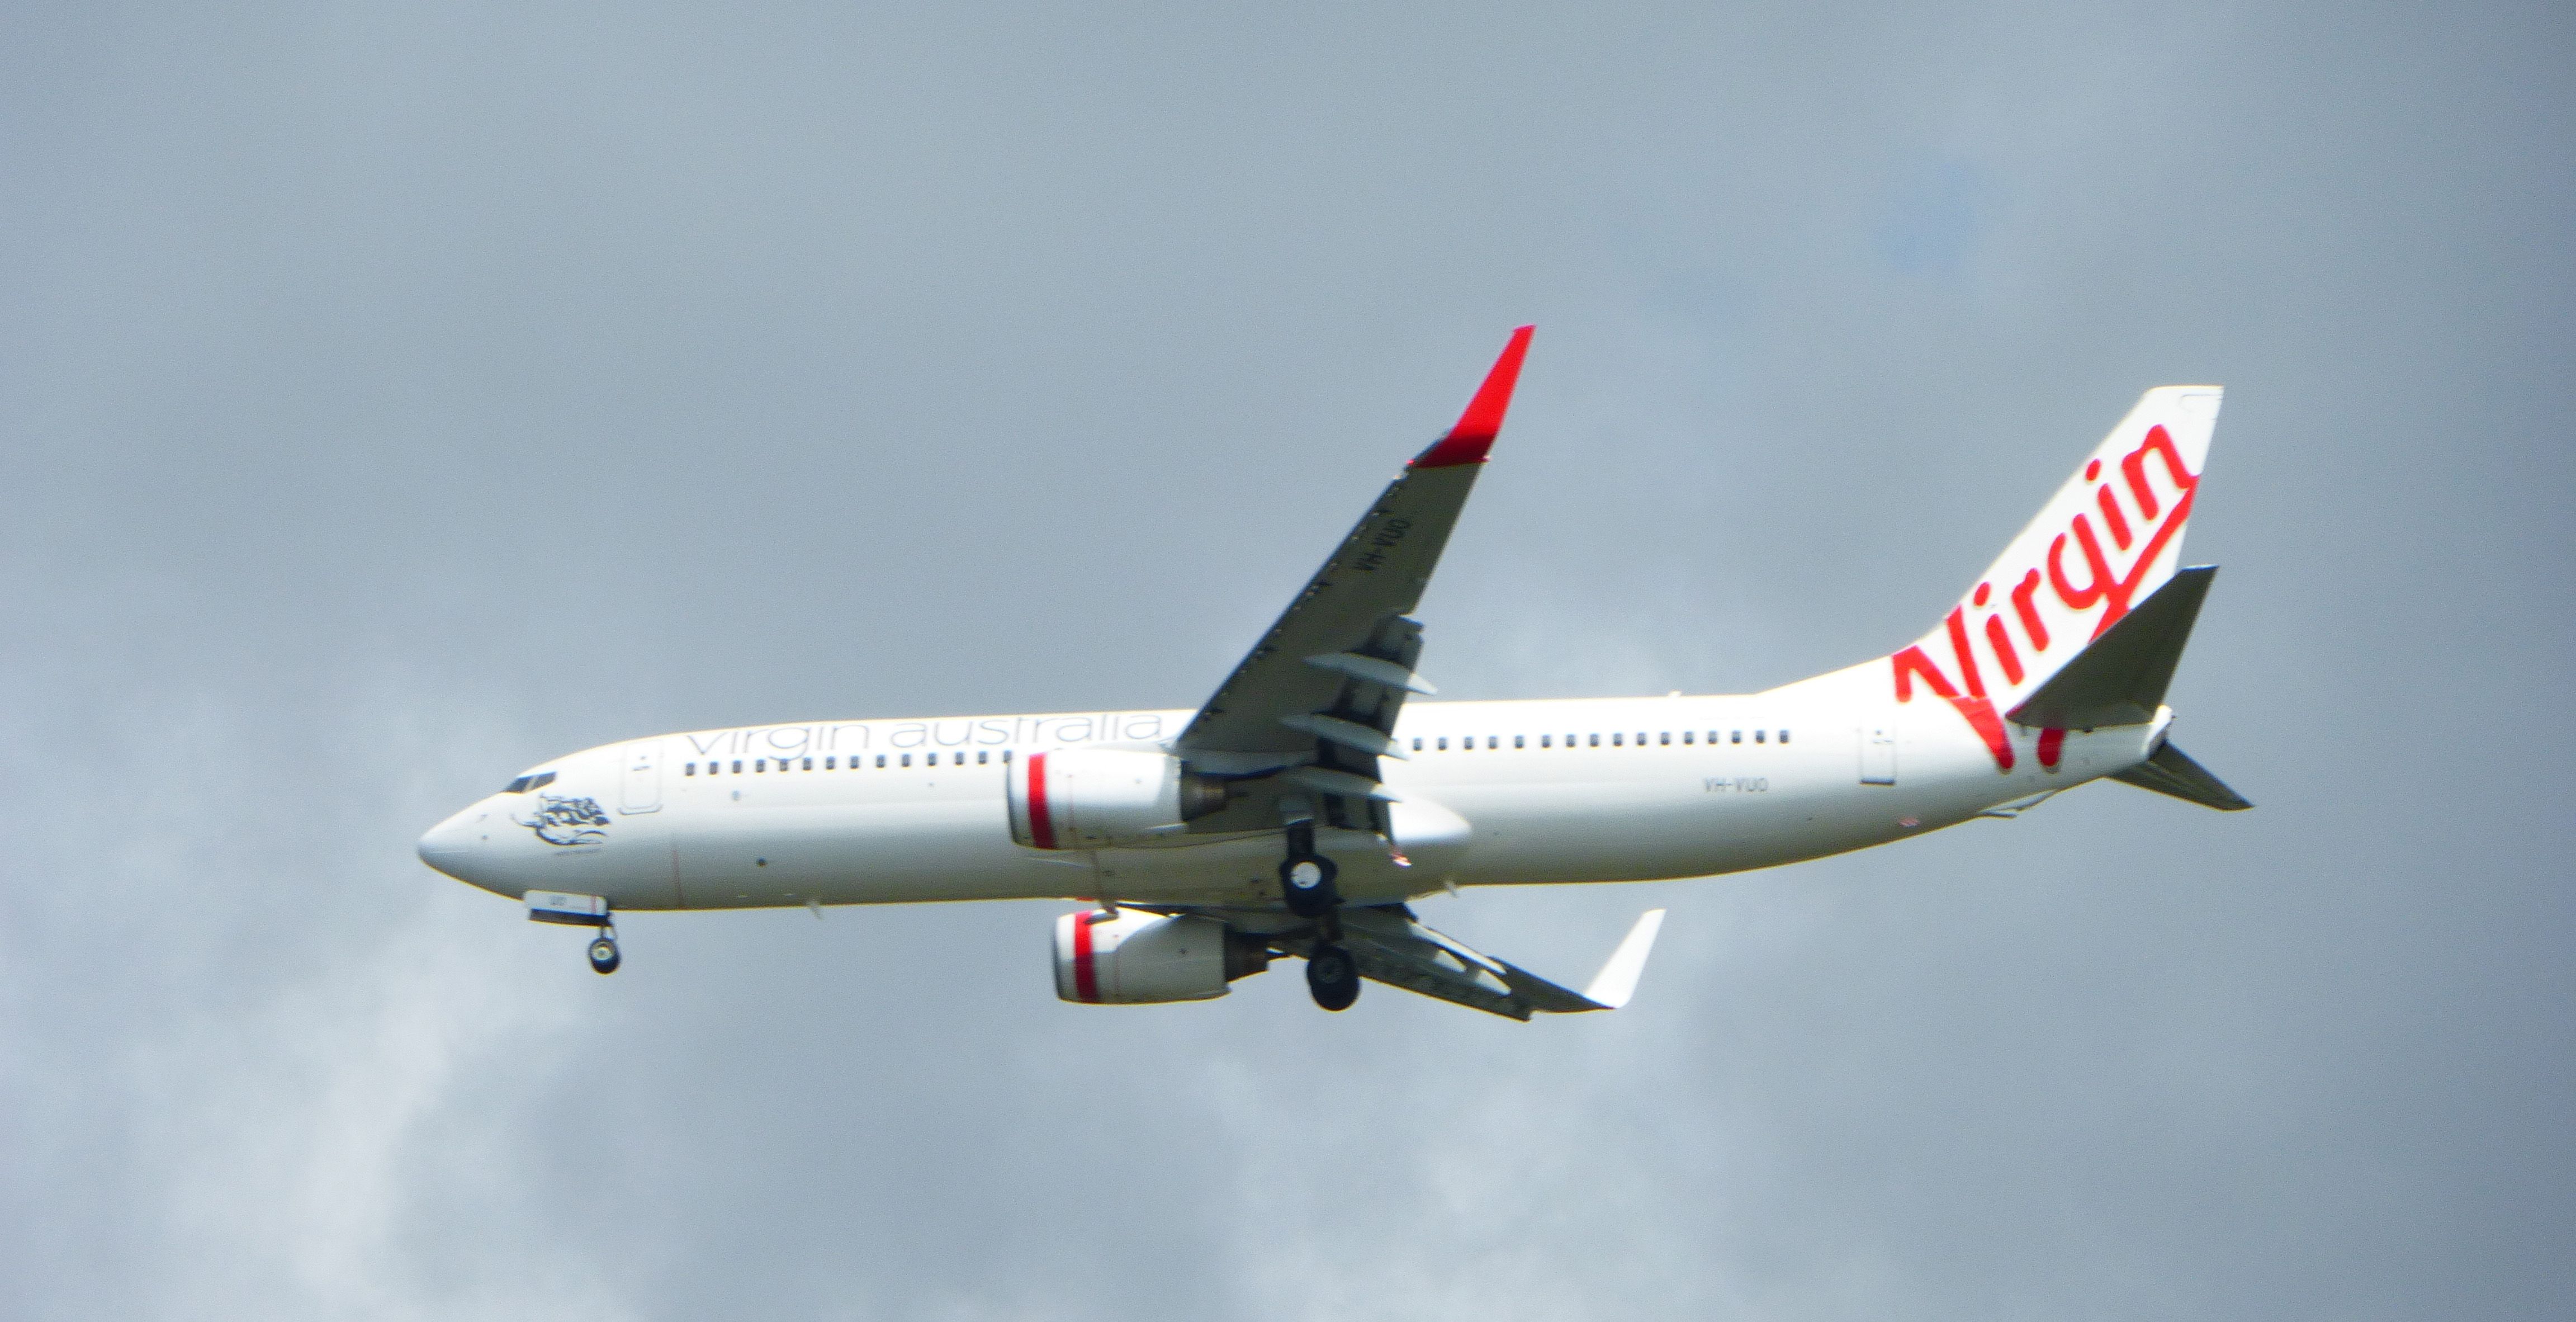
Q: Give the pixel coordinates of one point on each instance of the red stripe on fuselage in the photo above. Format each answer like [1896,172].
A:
[1042,822]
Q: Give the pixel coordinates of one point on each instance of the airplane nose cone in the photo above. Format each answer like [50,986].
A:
[461,848]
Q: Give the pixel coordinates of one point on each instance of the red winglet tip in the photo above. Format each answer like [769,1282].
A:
[1474,434]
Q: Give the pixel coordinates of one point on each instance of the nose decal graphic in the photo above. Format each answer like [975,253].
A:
[565,821]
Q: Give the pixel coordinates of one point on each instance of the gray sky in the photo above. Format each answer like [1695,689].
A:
[390,400]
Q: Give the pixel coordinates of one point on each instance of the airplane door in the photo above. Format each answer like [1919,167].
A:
[1878,753]
[642,789]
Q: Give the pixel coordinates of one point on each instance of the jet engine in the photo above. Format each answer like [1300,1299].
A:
[1088,798]
[1138,958]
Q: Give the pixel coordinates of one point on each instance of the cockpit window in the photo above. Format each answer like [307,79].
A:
[526,783]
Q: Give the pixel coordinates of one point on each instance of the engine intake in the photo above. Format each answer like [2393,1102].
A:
[1087,798]
[1139,958]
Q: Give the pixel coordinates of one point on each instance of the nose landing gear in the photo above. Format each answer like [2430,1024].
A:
[576,910]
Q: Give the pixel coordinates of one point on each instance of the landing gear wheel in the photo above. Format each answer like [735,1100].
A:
[1306,877]
[603,954]
[1307,884]
[1333,976]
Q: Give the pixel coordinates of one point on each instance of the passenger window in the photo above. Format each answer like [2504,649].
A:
[1543,740]
[737,766]
[880,759]
[1493,742]
[983,755]
[760,764]
[1596,741]
[1006,755]
[1736,738]
[1516,742]
[1757,736]
[1618,740]
[1417,745]
[1784,736]
[907,759]
[809,764]
[1665,738]
[1686,736]
[689,770]
[1444,743]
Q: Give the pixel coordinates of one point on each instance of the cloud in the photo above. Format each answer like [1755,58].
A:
[395,401]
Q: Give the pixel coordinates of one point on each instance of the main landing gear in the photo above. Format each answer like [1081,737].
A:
[1332,975]
[1306,877]
[1306,885]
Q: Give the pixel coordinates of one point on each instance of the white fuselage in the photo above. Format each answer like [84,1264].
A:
[1498,793]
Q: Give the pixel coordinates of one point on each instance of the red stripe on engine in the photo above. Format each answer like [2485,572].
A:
[1086,984]
[1042,822]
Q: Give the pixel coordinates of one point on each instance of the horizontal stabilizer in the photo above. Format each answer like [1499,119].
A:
[2120,678]
[2171,772]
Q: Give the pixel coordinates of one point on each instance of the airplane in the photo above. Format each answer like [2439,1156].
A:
[1318,792]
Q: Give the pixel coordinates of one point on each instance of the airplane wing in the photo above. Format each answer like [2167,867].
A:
[1390,947]
[1300,724]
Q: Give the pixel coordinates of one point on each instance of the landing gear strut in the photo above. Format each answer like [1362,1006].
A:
[1306,877]
[1333,976]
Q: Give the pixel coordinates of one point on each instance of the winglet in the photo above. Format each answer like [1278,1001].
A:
[1474,434]
[1617,980]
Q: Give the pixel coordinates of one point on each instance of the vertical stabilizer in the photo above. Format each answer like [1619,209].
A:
[2103,544]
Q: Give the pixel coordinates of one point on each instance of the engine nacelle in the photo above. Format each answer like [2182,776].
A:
[1139,958]
[1088,798]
